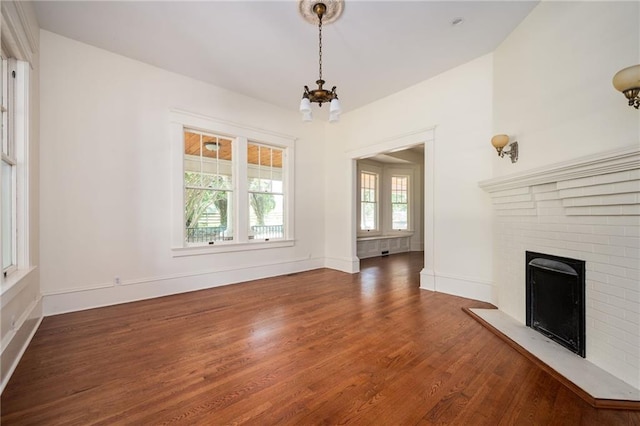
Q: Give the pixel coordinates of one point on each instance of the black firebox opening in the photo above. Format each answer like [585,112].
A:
[556,299]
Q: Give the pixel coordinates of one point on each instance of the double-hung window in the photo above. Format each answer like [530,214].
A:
[368,201]
[399,203]
[233,186]
[266,192]
[9,167]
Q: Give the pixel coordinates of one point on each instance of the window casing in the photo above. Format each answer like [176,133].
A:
[369,188]
[232,187]
[9,169]
[400,203]
[14,212]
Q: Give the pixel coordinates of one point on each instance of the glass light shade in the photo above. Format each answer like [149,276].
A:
[305,105]
[334,107]
[306,116]
[628,78]
[499,141]
[334,117]
[211,146]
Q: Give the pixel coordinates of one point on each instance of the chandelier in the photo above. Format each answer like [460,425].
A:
[327,12]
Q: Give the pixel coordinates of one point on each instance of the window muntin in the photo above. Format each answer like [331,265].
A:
[265,179]
[400,203]
[368,201]
[208,188]
[9,166]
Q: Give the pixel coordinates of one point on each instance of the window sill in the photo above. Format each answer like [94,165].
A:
[386,236]
[12,285]
[230,248]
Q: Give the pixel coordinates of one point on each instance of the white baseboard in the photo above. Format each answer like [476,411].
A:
[16,341]
[427,280]
[100,295]
[350,265]
[458,286]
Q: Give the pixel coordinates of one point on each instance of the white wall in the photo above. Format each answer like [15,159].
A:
[458,103]
[105,180]
[553,91]
[552,82]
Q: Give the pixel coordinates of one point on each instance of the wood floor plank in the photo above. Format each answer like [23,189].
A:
[319,347]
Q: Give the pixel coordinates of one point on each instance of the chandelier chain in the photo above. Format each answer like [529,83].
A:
[320,44]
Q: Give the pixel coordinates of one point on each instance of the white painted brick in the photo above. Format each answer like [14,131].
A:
[588,220]
[609,290]
[522,212]
[632,231]
[516,206]
[597,276]
[625,262]
[629,186]
[549,204]
[594,257]
[596,295]
[599,348]
[623,324]
[625,306]
[609,230]
[608,309]
[601,244]
[609,329]
[633,274]
[623,345]
[512,199]
[632,242]
[632,296]
[576,183]
[547,187]
[609,269]
[602,200]
[633,317]
[596,180]
[510,192]
[547,196]
[624,283]
[630,210]
[623,220]
[579,246]
[554,227]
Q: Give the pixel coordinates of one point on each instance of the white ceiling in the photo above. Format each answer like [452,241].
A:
[264,49]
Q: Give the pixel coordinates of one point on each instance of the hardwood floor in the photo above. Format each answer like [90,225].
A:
[319,347]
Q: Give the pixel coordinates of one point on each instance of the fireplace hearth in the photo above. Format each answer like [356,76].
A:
[555,305]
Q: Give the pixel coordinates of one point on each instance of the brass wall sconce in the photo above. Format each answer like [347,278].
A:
[627,81]
[500,141]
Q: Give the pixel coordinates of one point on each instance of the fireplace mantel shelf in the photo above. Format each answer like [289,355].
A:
[602,163]
[598,387]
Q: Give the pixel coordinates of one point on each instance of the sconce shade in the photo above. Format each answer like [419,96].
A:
[627,79]
[499,141]
[307,116]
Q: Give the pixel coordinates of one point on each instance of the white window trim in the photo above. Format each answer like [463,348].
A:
[409,174]
[180,121]
[20,129]
[369,168]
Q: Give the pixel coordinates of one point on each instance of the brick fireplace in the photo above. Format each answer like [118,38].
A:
[586,209]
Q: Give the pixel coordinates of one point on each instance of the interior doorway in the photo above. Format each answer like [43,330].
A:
[391,150]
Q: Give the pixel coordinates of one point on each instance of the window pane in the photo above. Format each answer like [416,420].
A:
[208,181]
[368,201]
[399,202]
[266,216]
[207,215]
[266,191]
[7,215]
